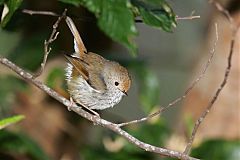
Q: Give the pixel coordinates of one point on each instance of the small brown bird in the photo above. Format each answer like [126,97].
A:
[93,81]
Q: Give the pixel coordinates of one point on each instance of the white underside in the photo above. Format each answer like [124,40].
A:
[84,94]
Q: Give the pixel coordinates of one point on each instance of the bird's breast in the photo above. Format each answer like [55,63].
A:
[84,94]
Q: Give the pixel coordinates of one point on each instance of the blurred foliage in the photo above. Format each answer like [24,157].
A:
[149,89]
[102,154]
[55,78]
[218,149]
[9,85]
[189,123]
[29,54]
[6,37]
[10,120]
[19,145]
[10,6]
[155,133]
[115,13]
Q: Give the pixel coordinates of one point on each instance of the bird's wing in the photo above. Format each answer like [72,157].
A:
[79,47]
[82,68]
[95,68]
[78,67]
[96,80]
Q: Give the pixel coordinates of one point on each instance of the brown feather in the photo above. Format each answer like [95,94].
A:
[78,67]
[78,43]
[88,65]
[95,66]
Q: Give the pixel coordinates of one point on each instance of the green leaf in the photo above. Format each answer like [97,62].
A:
[218,149]
[20,145]
[9,8]
[115,19]
[11,120]
[156,13]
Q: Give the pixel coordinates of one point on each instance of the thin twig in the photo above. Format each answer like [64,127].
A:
[48,13]
[199,121]
[213,100]
[192,16]
[177,18]
[51,39]
[189,17]
[95,119]
[203,72]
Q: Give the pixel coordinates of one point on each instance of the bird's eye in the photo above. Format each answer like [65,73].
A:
[116,83]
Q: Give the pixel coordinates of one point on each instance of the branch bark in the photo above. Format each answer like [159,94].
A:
[95,119]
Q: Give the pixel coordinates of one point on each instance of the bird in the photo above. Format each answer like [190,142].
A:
[93,81]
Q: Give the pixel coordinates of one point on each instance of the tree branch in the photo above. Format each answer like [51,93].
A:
[50,40]
[234,29]
[188,90]
[210,105]
[199,121]
[95,119]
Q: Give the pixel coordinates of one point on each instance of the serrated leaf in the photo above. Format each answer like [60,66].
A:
[156,13]
[9,8]
[20,145]
[11,120]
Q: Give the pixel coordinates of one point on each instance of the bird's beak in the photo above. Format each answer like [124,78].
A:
[125,93]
